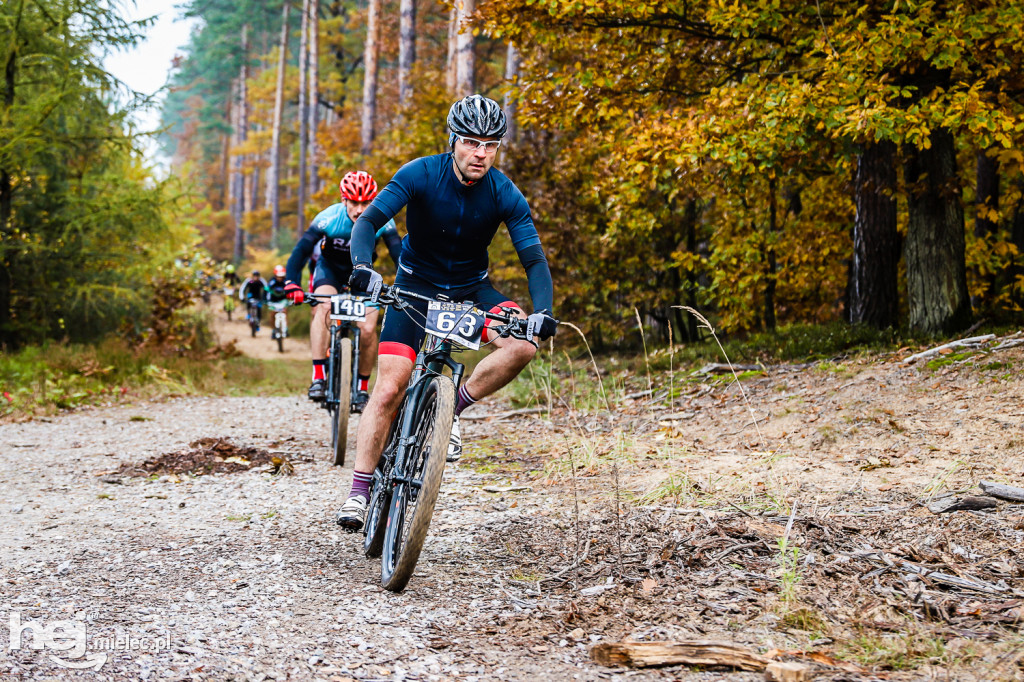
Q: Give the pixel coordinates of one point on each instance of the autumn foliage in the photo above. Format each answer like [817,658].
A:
[764,162]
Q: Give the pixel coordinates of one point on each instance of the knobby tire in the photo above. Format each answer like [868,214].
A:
[343,393]
[410,512]
[380,498]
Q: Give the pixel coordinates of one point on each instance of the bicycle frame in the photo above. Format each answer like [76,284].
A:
[430,362]
[340,329]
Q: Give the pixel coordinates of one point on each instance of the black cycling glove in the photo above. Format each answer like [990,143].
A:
[541,324]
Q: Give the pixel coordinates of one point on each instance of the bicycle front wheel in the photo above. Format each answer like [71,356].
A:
[343,394]
[413,499]
[380,493]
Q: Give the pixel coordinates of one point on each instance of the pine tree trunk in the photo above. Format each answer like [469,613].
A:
[303,120]
[370,77]
[240,137]
[466,50]
[511,79]
[314,92]
[235,164]
[874,290]
[451,70]
[406,51]
[6,211]
[934,249]
[273,192]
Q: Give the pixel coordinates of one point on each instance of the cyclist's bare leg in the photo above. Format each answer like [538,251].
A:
[501,366]
[368,341]
[319,335]
[393,372]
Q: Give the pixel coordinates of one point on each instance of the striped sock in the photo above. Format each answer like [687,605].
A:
[364,383]
[465,400]
[318,369]
[361,484]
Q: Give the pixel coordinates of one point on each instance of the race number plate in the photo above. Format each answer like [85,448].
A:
[460,323]
[348,307]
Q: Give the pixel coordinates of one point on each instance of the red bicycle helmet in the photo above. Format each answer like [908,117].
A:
[279,271]
[358,186]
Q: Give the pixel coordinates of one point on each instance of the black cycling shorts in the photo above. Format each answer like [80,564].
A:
[403,332]
[331,274]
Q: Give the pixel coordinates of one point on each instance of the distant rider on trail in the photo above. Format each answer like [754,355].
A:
[456,202]
[332,231]
[254,290]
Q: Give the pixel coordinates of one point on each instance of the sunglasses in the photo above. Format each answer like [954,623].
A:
[474,144]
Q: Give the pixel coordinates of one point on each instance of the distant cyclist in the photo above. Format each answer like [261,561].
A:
[455,203]
[332,230]
[254,290]
[276,285]
[231,278]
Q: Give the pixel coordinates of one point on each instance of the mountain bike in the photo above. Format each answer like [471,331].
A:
[253,315]
[407,480]
[280,332]
[347,311]
[229,301]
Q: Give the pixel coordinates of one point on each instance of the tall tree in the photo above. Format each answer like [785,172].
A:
[874,295]
[451,69]
[509,103]
[273,191]
[936,268]
[370,77]
[303,115]
[465,58]
[82,222]
[242,134]
[314,92]
[406,50]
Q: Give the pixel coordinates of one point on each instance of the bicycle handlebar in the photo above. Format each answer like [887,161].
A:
[512,325]
[390,295]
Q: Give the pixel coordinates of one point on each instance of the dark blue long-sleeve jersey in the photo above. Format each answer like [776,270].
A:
[450,226]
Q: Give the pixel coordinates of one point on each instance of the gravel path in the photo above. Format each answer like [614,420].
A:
[242,576]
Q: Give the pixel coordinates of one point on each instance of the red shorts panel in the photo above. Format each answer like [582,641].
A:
[393,348]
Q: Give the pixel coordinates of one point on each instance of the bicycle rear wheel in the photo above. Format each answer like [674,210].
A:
[412,503]
[343,394]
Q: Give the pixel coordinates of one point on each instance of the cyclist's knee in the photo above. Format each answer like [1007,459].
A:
[522,351]
[388,389]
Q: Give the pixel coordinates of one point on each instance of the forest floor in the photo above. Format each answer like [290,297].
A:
[789,521]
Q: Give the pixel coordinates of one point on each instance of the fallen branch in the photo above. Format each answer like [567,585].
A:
[1003,492]
[701,653]
[952,504]
[972,342]
[570,567]
[929,574]
[504,415]
[719,368]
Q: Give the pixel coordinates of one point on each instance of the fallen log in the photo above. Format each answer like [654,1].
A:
[1003,492]
[952,504]
[972,342]
[697,652]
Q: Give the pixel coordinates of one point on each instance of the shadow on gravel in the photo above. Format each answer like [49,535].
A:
[204,456]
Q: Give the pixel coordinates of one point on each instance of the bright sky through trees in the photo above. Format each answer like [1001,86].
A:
[146,67]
